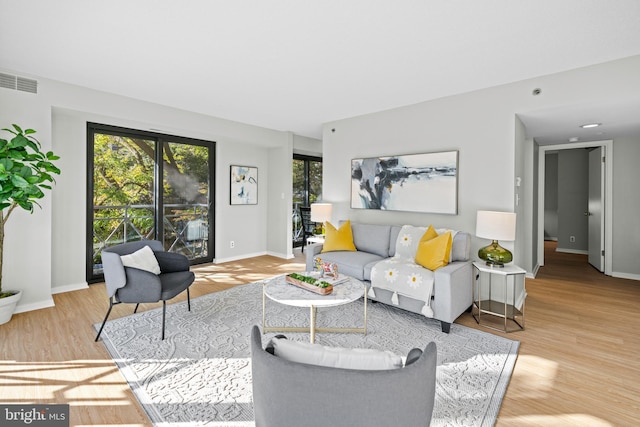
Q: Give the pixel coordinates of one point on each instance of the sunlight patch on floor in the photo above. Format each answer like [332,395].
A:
[561,420]
[537,376]
[74,382]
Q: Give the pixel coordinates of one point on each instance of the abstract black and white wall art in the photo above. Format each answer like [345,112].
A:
[414,183]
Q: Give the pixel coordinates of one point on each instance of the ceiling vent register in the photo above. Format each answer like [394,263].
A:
[18,83]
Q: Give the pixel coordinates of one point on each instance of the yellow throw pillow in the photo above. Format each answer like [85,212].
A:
[434,253]
[431,233]
[340,239]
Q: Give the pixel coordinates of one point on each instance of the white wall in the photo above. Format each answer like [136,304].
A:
[307,146]
[46,252]
[481,126]
[626,205]
[27,245]
[279,215]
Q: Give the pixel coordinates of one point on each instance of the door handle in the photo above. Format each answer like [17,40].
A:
[588,214]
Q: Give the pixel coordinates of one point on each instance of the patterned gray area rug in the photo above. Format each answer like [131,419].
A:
[200,375]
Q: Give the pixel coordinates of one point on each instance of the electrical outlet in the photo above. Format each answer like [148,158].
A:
[232,244]
[572,239]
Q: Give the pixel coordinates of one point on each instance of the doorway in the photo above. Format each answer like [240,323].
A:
[604,217]
[307,189]
[143,185]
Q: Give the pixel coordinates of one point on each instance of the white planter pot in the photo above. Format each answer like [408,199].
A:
[8,306]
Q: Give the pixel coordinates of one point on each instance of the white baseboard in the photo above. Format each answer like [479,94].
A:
[572,251]
[239,257]
[534,273]
[69,288]
[625,275]
[21,308]
[280,255]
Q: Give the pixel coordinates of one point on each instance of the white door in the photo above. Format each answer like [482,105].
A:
[596,211]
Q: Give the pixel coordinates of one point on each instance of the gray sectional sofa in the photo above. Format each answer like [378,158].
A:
[452,292]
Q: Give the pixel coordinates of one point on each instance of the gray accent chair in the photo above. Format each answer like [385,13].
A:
[291,394]
[132,285]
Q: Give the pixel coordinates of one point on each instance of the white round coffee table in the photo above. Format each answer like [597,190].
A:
[278,290]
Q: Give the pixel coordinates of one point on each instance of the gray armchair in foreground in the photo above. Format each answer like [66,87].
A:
[135,285]
[292,394]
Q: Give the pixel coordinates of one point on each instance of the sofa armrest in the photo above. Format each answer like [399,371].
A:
[453,289]
[312,251]
[114,274]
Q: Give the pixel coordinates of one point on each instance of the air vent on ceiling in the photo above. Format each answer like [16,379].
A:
[18,83]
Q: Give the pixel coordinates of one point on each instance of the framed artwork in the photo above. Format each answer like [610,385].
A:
[414,183]
[243,185]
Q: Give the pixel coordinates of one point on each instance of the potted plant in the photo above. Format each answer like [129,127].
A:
[25,171]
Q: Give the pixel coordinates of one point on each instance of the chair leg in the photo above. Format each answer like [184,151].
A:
[105,319]
[164,313]
[135,310]
[188,300]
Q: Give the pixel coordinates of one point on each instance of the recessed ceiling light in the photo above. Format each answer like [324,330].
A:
[590,125]
[573,139]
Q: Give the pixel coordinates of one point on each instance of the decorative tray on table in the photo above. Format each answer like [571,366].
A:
[310,283]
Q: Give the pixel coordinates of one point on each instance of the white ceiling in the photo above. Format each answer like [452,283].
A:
[294,64]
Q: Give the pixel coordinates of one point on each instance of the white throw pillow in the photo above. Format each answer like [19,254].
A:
[143,259]
[335,357]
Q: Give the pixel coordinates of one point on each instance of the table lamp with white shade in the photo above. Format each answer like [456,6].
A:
[321,212]
[496,226]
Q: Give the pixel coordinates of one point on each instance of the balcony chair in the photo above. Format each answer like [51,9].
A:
[308,227]
[129,284]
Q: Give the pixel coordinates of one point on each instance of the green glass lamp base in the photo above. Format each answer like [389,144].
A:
[495,255]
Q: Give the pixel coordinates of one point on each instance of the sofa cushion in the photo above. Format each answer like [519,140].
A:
[351,263]
[371,238]
[368,267]
[335,357]
[393,238]
[408,239]
[338,239]
[431,233]
[434,253]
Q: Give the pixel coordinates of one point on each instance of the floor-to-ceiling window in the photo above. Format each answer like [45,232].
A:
[307,188]
[145,185]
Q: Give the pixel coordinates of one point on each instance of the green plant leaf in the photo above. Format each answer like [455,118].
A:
[25,204]
[19,141]
[50,167]
[34,145]
[6,164]
[16,154]
[19,181]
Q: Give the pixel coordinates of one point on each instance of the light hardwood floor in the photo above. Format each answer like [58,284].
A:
[578,362]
